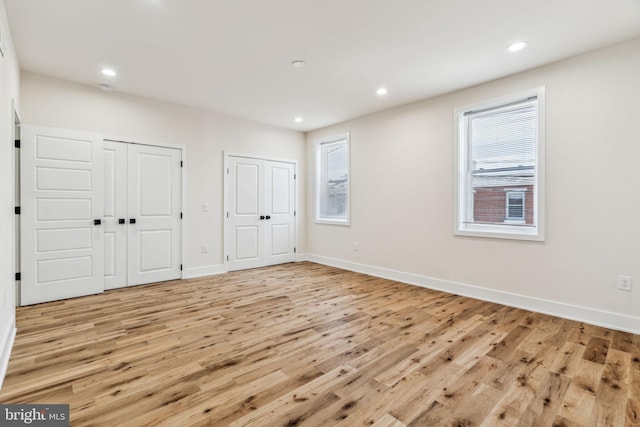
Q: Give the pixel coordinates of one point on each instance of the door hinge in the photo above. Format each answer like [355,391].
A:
[295,250]
[16,210]
[295,176]
[294,213]
[227,257]
[180,267]
[18,276]
[180,215]
[181,163]
[227,171]
[16,143]
[227,214]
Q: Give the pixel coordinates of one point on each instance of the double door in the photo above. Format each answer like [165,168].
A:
[260,216]
[142,201]
[95,214]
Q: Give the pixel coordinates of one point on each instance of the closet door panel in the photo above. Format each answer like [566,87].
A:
[154,202]
[61,208]
[246,217]
[280,206]
[115,212]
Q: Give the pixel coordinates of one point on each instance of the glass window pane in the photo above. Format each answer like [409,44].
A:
[333,181]
[502,155]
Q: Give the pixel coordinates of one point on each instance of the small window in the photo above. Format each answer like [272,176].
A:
[500,173]
[332,180]
[515,206]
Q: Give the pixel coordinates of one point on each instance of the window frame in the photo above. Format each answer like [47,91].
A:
[335,139]
[463,194]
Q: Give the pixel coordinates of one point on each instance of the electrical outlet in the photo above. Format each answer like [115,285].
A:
[205,207]
[205,248]
[355,247]
[624,283]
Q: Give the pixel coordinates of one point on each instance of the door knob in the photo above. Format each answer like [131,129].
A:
[121,221]
[261,217]
[268,216]
[132,221]
[97,221]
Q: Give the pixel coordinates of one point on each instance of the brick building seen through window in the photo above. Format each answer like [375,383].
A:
[504,196]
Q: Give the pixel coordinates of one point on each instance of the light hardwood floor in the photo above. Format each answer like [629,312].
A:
[305,344]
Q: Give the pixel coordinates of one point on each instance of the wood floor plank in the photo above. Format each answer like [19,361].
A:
[633,412]
[581,394]
[596,350]
[309,345]
[388,421]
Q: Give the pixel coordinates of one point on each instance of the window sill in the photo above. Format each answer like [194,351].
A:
[513,232]
[332,221]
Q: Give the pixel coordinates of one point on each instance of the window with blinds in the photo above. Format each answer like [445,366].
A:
[499,176]
[332,180]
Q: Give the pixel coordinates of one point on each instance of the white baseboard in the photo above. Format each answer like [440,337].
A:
[209,270]
[592,316]
[6,345]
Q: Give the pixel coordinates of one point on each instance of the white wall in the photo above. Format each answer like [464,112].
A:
[402,196]
[9,88]
[55,103]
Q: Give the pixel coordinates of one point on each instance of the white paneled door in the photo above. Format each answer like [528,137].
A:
[260,217]
[61,209]
[154,204]
[142,204]
[115,214]
[280,238]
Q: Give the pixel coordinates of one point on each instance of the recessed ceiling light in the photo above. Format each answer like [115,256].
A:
[108,72]
[298,120]
[517,46]
[381,91]
[298,64]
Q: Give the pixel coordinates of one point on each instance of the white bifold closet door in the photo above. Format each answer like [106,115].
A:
[95,214]
[260,220]
[61,214]
[142,202]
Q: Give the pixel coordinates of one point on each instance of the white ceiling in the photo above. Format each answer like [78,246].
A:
[234,56]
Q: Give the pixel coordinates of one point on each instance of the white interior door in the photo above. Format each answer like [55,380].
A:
[246,237]
[115,214]
[154,203]
[61,197]
[280,206]
[260,217]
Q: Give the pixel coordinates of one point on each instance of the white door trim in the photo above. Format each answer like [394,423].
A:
[226,194]
[15,173]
